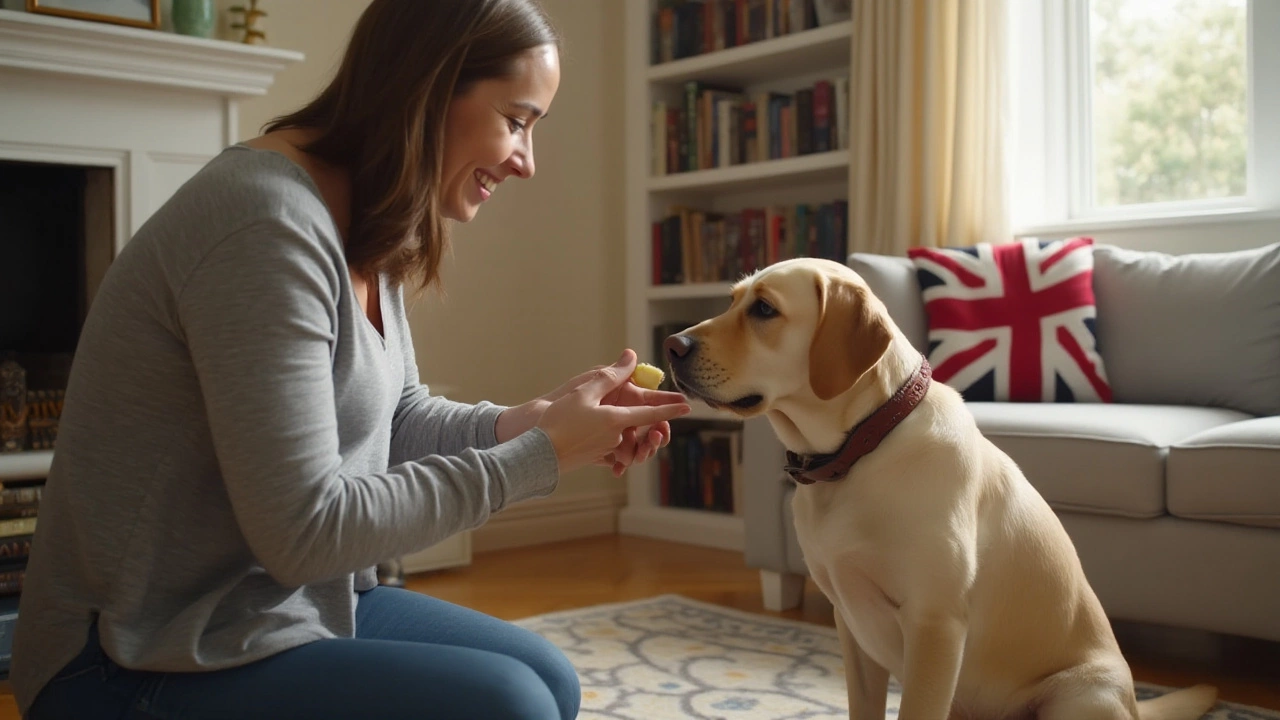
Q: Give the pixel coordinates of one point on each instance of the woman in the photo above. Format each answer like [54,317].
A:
[245,437]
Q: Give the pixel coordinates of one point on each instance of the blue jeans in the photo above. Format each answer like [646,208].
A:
[413,657]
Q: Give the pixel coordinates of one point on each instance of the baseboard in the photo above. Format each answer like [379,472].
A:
[551,519]
[693,527]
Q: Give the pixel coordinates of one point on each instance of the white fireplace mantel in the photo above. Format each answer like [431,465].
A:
[152,106]
[115,52]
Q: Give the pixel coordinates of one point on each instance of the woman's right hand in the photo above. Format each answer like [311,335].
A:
[583,428]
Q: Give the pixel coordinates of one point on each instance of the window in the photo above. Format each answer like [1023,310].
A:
[1167,117]
[1133,110]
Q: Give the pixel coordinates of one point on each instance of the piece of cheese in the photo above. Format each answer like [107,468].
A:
[647,376]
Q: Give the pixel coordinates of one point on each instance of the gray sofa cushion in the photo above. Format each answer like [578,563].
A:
[893,280]
[1102,458]
[1199,329]
[1229,473]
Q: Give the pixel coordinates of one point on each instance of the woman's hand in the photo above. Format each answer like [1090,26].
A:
[593,418]
[517,420]
[638,444]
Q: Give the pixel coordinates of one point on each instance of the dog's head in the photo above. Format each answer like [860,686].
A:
[799,329]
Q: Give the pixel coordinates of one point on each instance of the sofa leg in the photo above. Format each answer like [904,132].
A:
[782,591]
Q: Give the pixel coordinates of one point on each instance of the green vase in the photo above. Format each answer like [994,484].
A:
[195,17]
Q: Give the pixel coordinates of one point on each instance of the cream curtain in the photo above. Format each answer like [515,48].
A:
[926,112]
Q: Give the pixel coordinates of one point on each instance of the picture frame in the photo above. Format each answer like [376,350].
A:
[134,13]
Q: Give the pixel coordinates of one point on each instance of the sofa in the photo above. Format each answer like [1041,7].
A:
[1170,491]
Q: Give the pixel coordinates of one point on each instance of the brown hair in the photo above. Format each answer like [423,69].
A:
[382,117]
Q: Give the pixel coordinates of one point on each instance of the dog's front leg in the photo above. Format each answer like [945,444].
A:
[933,645]
[868,682]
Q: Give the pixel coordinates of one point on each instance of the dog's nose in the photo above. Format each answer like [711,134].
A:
[677,347]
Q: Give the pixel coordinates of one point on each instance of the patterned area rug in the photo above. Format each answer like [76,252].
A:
[670,657]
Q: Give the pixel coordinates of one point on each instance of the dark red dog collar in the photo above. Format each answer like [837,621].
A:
[865,436]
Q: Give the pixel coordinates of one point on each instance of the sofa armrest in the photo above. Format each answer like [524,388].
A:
[763,494]
[893,279]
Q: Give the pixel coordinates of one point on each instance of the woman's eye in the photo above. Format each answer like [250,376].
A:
[762,309]
[515,125]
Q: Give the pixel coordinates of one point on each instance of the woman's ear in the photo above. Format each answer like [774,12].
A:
[850,339]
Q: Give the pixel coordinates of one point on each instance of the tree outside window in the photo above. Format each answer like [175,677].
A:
[1168,116]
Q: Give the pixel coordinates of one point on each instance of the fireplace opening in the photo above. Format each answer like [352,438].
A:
[56,241]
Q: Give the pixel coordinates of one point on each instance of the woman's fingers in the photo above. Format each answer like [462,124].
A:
[626,450]
[632,394]
[650,414]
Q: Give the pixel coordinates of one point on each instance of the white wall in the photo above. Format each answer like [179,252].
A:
[534,286]
[317,28]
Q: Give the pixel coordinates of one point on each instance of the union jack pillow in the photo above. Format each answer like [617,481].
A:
[1013,322]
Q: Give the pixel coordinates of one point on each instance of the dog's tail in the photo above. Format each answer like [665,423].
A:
[1185,704]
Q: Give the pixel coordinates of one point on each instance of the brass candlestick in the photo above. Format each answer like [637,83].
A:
[248,22]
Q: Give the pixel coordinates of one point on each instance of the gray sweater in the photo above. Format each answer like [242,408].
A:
[240,446]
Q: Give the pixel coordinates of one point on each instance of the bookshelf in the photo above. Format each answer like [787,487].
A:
[736,157]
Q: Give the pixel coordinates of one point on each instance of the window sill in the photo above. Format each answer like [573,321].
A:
[1166,220]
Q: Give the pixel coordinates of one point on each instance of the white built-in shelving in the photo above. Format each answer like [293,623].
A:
[782,65]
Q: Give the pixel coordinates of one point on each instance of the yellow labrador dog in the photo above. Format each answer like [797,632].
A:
[946,568]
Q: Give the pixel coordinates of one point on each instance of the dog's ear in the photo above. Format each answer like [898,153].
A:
[850,339]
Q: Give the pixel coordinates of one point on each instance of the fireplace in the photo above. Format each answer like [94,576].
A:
[55,245]
[99,125]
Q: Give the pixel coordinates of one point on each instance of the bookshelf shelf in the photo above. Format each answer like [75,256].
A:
[832,165]
[735,158]
[763,61]
[28,465]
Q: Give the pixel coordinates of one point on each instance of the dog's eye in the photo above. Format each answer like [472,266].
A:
[762,309]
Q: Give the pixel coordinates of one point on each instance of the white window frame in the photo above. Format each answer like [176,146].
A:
[1049,168]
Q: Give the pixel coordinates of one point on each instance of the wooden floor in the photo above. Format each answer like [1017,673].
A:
[513,584]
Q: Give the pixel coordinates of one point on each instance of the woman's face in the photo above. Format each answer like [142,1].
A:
[488,134]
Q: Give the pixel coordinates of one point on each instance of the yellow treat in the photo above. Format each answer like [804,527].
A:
[647,376]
